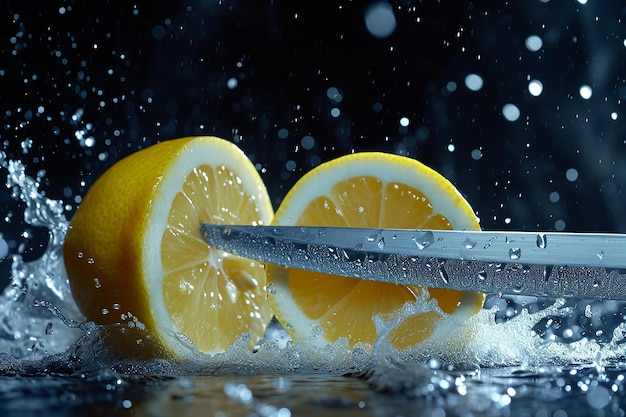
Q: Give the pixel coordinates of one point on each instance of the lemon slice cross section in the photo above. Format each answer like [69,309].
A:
[134,253]
[369,189]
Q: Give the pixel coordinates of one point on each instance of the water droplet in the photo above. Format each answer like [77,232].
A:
[424,241]
[96,282]
[588,312]
[482,275]
[547,271]
[518,288]
[381,243]
[515,253]
[443,274]
[469,244]
[600,255]
[105,311]
[371,238]
[271,289]
[49,328]
[542,241]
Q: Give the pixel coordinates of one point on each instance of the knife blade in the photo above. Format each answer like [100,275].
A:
[546,264]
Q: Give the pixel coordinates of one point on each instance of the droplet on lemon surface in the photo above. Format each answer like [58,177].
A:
[367,190]
[134,248]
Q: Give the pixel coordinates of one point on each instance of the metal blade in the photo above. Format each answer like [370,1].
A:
[551,264]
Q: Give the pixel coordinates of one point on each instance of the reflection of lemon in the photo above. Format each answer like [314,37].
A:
[367,190]
[134,245]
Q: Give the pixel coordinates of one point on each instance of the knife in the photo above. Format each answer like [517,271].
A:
[544,264]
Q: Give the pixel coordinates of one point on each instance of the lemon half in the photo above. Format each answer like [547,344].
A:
[367,190]
[134,254]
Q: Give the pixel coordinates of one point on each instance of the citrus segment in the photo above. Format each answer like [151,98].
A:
[134,251]
[367,190]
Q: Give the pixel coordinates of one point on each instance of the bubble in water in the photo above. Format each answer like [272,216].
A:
[380,20]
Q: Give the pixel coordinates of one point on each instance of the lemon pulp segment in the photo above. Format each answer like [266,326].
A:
[201,282]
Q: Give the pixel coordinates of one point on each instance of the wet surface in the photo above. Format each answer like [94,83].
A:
[567,391]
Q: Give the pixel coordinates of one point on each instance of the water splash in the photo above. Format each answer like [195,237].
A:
[39,318]
[29,327]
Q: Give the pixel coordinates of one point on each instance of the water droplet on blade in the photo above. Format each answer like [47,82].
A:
[547,271]
[482,275]
[381,243]
[542,241]
[443,274]
[469,244]
[424,241]
[515,253]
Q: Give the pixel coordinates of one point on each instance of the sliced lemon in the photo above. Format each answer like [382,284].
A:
[134,254]
[367,190]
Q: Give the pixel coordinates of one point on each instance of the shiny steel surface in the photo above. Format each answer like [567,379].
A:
[570,265]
